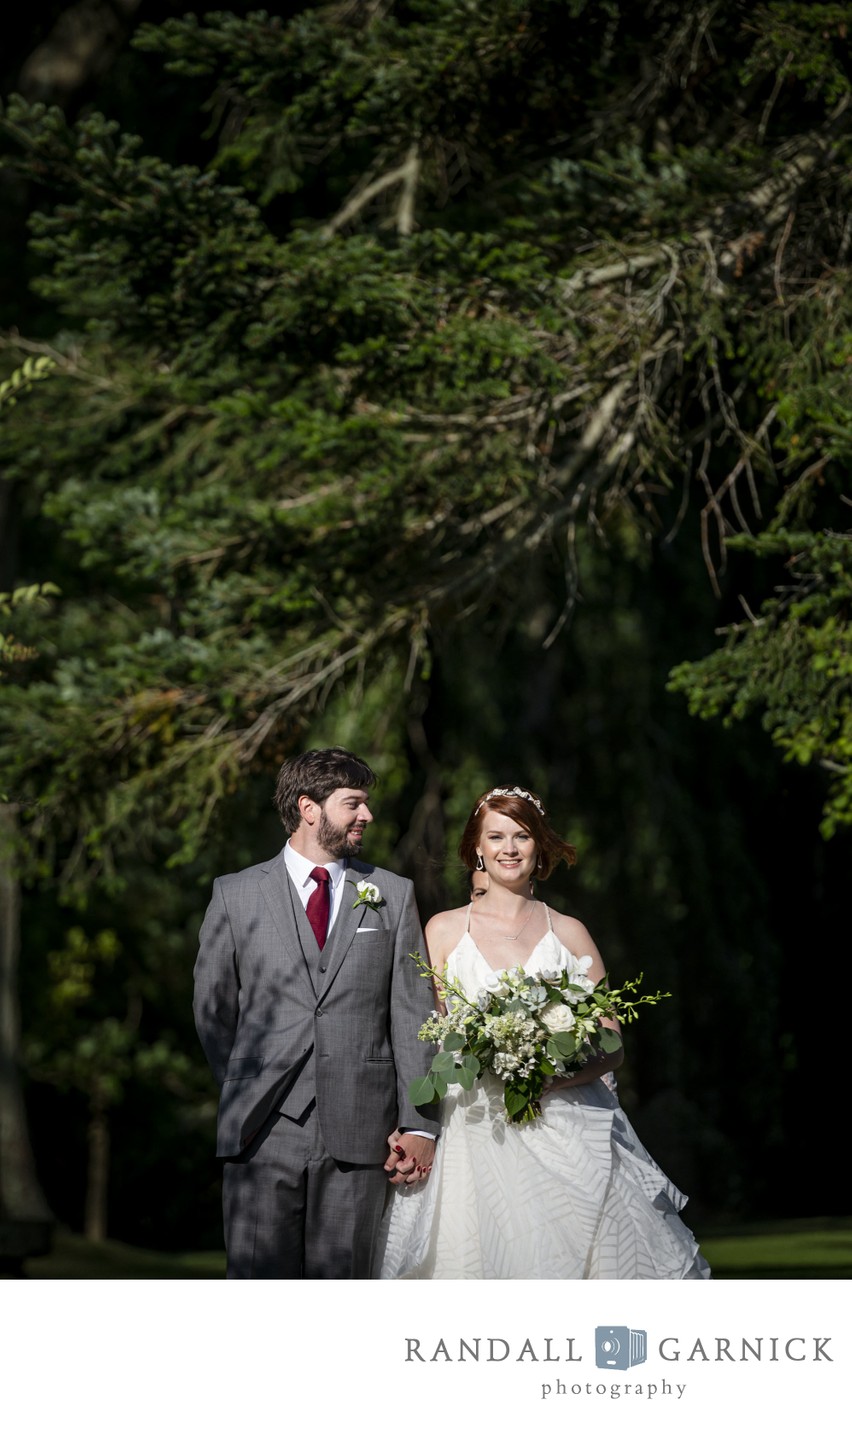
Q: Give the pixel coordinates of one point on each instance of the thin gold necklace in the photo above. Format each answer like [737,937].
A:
[513,937]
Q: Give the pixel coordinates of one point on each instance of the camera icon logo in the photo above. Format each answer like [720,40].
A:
[620,1347]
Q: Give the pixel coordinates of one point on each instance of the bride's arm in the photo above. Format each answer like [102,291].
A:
[441,933]
[436,954]
[578,940]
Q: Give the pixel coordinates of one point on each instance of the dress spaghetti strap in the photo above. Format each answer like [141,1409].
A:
[549,921]
[469,911]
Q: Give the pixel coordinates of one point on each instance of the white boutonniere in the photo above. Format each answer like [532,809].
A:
[368,896]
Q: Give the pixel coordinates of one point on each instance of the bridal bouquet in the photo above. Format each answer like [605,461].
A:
[523,1026]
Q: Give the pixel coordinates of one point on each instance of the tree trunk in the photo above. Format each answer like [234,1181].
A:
[97,1181]
[25,1219]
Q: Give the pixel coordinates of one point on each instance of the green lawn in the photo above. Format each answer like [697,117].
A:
[800,1248]
[72,1256]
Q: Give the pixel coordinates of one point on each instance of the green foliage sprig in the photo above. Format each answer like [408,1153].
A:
[21,381]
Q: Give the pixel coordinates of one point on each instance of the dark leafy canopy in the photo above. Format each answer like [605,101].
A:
[461,286]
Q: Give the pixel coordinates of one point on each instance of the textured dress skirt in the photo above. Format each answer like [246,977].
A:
[572,1195]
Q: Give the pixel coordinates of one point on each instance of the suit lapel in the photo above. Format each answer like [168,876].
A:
[346,925]
[289,915]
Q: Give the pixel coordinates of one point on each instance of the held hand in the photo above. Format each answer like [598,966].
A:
[410,1159]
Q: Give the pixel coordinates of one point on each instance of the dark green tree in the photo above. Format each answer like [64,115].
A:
[447,318]
[468,312]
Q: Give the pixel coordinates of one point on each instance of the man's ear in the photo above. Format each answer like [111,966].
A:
[309,809]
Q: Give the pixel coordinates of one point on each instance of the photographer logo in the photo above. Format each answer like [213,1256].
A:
[617,1348]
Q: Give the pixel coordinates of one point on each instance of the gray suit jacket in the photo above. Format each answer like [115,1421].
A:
[281,1023]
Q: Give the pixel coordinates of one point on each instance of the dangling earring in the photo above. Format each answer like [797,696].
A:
[480,863]
[538,865]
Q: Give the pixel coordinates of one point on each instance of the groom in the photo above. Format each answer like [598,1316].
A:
[308,1006]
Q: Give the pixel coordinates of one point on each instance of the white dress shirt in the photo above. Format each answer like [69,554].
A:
[300,870]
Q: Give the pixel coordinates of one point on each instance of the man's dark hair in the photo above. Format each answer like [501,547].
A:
[317,773]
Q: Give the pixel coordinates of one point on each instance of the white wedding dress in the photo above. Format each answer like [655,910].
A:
[572,1195]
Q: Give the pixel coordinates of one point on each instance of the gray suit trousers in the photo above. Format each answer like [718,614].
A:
[292,1211]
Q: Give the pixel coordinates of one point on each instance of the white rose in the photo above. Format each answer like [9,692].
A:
[557,1018]
[368,893]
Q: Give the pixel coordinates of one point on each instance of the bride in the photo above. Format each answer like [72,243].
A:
[573,1194]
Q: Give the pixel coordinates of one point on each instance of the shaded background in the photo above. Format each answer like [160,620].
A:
[700,856]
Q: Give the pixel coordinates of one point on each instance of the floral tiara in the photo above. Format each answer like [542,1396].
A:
[510,793]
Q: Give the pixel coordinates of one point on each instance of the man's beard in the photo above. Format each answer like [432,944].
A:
[339,842]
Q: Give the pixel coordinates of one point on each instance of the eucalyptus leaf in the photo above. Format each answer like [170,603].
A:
[422,1092]
[516,1101]
[443,1063]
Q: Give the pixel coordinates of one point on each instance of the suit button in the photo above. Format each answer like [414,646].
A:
[319,1013]
[322,970]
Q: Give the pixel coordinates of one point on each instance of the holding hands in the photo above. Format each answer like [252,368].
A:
[410,1158]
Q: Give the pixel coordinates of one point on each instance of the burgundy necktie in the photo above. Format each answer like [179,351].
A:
[318,906]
